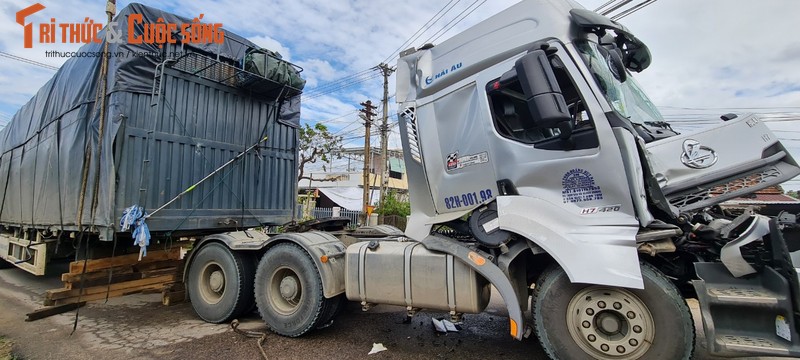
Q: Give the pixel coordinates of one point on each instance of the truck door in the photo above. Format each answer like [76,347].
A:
[567,192]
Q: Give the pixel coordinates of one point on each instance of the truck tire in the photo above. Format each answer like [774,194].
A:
[582,321]
[220,283]
[332,308]
[289,293]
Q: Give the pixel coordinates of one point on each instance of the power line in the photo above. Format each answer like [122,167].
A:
[337,118]
[333,86]
[339,81]
[343,86]
[445,28]
[436,17]
[632,10]
[27,61]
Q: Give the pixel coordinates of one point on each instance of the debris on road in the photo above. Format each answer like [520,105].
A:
[443,326]
[261,336]
[376,348]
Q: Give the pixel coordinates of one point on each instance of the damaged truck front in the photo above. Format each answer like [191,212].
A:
[530,144]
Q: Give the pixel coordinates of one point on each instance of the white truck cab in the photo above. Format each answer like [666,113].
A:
[529,128]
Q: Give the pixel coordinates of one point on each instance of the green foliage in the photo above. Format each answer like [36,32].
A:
[317,143]
[793,193]
[393,206]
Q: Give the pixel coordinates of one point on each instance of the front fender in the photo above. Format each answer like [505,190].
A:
[599,250]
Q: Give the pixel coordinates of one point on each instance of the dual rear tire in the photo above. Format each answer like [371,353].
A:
[289,293]
[220,283]
[285,286]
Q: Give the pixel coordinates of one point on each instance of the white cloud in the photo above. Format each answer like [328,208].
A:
[273,45]
[712,53]
[317,71]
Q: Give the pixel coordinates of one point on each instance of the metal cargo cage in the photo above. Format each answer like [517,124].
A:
[171,117]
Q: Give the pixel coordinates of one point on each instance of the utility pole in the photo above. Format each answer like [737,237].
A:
[367,113]
[386,70]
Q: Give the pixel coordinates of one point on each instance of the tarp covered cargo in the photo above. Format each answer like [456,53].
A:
[206,112]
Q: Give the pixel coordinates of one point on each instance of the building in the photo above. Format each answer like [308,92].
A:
[345,189]
[770,201]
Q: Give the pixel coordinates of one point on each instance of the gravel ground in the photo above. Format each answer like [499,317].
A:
[139,327]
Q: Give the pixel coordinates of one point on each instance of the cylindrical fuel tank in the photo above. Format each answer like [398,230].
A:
[408,274]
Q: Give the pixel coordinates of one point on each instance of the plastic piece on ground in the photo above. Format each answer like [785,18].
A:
[438,326]
[376,348]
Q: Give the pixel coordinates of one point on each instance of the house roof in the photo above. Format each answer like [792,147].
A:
[350,198]
[765,199]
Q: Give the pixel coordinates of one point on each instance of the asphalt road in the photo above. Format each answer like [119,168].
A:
[139,327]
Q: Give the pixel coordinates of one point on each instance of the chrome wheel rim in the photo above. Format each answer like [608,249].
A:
[610,323]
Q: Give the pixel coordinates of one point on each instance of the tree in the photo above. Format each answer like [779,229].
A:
[317,143]
[793,193]
[393,206]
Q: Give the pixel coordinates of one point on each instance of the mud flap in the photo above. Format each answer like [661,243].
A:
[488,270]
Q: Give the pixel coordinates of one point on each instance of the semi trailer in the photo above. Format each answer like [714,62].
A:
[539,167]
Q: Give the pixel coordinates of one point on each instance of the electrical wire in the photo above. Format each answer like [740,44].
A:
[339,81]
[343,86]
[604,5]
[632,10]
[436,17]
[457,20]
[615,7]
[27,61]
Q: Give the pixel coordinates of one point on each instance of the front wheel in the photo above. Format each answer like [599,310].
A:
[580,321]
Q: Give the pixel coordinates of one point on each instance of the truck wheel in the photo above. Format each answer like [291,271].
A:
[575,321]
[288,291]
[220,283]
[332,308]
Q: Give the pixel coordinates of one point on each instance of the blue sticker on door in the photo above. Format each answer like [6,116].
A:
[578,186]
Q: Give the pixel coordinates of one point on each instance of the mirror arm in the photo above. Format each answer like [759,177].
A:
[514,94]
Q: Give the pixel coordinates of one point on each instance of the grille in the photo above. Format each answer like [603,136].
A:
[413,138]
[702,196]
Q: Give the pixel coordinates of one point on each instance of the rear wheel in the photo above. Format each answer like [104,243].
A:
[220,283]
[332,308]
[289,292]
[574,321]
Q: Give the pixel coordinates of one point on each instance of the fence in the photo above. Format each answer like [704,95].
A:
[396,221]
[355,216]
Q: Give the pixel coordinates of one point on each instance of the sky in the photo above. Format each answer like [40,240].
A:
[710,57]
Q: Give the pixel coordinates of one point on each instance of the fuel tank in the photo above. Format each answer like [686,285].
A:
[735,158]
[408,274]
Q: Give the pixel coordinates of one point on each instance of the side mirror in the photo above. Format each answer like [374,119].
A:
[613,56]
[542,93]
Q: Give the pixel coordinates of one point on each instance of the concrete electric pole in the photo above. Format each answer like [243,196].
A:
[386,70]
[367,113]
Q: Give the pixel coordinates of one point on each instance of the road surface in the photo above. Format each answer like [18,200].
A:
[139,327]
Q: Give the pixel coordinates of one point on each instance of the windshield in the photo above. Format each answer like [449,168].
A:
[625,97]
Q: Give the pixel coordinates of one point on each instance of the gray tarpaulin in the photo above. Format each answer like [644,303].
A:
[42,149]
